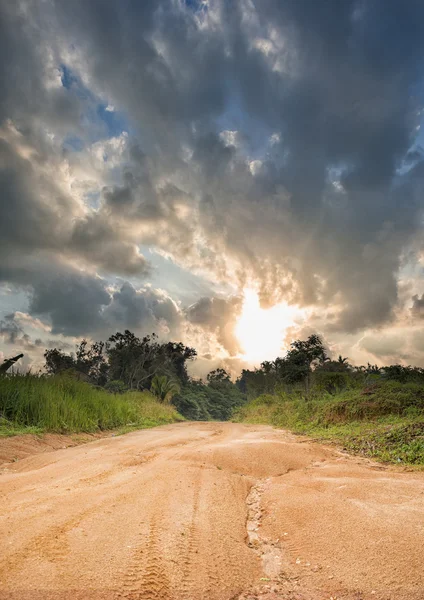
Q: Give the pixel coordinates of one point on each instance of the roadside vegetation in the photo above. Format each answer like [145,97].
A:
[61,403]
[376,412]
[130,382]
[126,382]
[126,362]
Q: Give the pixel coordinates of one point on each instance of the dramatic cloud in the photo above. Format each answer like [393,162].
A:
[143,310]
[417,309]
[264,144]
[14,335]
[218,316]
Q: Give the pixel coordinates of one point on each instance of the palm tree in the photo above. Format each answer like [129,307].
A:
[163,388]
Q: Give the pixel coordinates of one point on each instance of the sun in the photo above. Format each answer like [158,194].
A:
[259,331]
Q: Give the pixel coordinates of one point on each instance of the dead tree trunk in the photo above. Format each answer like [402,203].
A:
[8,362]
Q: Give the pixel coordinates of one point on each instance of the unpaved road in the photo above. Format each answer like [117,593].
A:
[209,511]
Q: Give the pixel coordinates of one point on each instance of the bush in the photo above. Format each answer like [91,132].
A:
[61,403]
[332,382]
[116,386]
[384,420]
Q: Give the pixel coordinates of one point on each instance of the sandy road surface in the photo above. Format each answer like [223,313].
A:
[209,511]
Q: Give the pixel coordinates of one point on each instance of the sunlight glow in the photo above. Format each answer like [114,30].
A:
[261,332]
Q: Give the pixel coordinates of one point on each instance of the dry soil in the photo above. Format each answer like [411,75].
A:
[209,511]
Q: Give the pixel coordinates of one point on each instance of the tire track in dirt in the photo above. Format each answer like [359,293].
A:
[118,533]
[192,544]
[146,579]
[223,569]
[51,545]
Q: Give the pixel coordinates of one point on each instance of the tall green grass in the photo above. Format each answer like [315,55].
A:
[384,420]
[64,404]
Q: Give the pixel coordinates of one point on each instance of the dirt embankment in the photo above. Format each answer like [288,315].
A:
[209,511]
[17,447]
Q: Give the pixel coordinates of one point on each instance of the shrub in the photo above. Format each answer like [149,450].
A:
[116,386]
[61,403]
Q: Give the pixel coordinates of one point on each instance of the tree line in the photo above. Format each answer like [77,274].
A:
[127,362]
[307,367]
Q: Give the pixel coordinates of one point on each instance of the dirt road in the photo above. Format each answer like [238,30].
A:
[209,511]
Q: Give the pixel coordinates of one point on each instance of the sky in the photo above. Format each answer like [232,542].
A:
[231,174]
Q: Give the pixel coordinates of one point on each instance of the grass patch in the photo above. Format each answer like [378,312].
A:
[384,421]
[8,429]
[61,404]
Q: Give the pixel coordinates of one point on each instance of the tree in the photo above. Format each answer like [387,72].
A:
[341,365]
[133,360]
[259,381]
[88,361]
[163,388]
[136,361]
[57,361]
[403,374]
[175,357]
[300,358]
[91,361]
[294,368]
[218,376]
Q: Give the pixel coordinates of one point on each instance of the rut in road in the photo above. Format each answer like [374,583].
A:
[209,511]
[146,578]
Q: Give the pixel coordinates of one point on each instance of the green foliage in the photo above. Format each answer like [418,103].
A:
[376,400]
[396,442]
[288,372]
[215,400]
[296,366]
[218,376]
[305,375]
[192,402]
[116,386]
[164,388]
[341,365]
[332,382]
[384,420]
[62,403]
[125,358]
[88,363]
[403,374]
[9,429]
[307,368]
[133,360]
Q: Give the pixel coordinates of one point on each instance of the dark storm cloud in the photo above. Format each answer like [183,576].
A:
[218,315]
[78,304]
[14,335]
[417,309]
[346,102]
[37,212]
[320,215]
[72,300]
[25,58]
[135,198]
[147,310]
[10,331]
[101,243]
[36,215]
